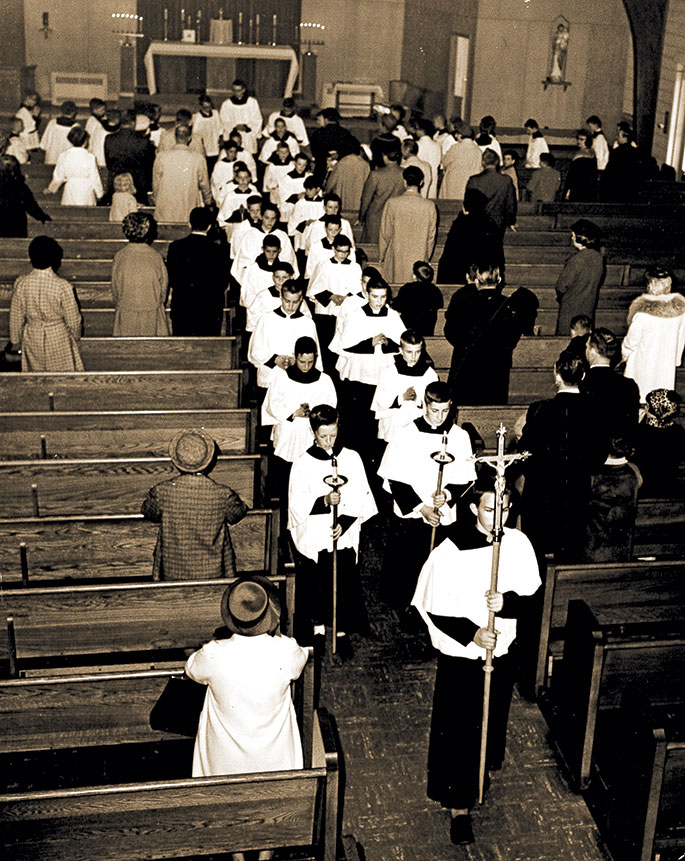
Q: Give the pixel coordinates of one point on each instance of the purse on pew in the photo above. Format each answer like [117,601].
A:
[179,706]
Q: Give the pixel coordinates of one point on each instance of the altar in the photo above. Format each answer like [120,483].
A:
[220,51]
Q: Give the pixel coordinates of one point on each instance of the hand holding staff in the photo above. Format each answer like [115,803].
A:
[488,636]
[441,458]
[335,482]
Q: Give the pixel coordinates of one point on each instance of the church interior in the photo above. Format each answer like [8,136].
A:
[595,758]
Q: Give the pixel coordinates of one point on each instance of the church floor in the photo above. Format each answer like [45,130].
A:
[381,701]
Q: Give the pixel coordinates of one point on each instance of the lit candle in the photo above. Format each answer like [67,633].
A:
[274,30]
[240,28]
[166,24]
[257,29]
[249,31]
[183,19]
[444,444]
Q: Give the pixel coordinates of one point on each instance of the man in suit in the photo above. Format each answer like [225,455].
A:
[129,151]
[408,229]
[498,190]
[566,446]
[179,180]
[329,135]
[381,184]
[615,397]
[198,277]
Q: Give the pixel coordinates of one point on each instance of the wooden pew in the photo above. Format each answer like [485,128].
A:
[133,433]
[116,624]
[157,354]
[81,247]
[601,661]
[638,780]
[97,322]
[618,591]
[99,548]
[142,817]
[91,228]
[33,488]
[129,390]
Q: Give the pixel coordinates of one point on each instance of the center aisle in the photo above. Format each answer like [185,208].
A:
[382,704]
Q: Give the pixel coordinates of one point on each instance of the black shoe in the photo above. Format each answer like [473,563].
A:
[343,649]
[461,832]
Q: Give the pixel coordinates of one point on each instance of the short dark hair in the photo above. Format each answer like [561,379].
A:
[512,154]
[332,219]
[410,145]
[570,367]
[437,392]
[581,320]
[488,271]
[488,124]
[292,286]
[342,241]
[587,137]
[305,344]
[485,483]
[587,233]
[413,176]
[241,167]
[595,120]
[531,124]
[321,415]
[45,253]
[271,241]
[604,342]
[200,218]
[547,158]
[267,206]
[239,82]
[77,136]
[332,197]
[411,336]
[253,200]
[312,182]
[423,270]
[490,157]
[68,108]
[283,266]
[96,103]
[128,119]
[183,116]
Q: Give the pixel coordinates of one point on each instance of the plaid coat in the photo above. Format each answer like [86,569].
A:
[45,322]
[193,542]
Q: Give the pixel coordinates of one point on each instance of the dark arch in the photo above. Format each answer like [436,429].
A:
[647,20]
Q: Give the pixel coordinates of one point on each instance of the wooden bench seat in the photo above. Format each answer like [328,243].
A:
[110,485]
[103,548]
[603,659]
[116,623]
[131,433]
[97,322]
[638,779]
[81,247]
[97,228]
[128,390]
[149,813]
[160,354]
[617,591]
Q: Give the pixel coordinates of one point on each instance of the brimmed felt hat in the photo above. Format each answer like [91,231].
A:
[251,607]
[192,450]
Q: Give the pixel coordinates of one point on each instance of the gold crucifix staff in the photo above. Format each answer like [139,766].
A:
[441,457]
[335,482]
[499,462]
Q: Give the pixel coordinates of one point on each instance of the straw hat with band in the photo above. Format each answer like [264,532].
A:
[192,450]
[251,607]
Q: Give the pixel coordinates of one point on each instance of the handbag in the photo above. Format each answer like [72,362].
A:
[179,706]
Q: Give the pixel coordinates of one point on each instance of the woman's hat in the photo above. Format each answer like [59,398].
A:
[192,450]
[663,406]
[250,607]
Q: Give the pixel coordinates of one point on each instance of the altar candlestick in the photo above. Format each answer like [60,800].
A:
[183,20]
[249,31]
[166,24]
[240,28]
[199,25]
[256,29]
[274,30]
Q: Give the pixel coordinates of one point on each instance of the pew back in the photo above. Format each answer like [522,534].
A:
[129,390]
[110,485]
[619,591]
[131,433]
[113,548]
[160,354]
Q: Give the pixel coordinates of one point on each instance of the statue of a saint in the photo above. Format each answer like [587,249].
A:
[559,51]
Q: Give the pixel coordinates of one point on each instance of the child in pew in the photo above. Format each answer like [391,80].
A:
[194,513]
[124,197]
[613,506]
[453,597]
[248,721]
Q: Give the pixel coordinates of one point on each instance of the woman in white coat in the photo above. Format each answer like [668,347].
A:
[653,345]
[77,170]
